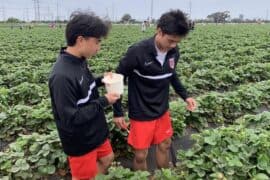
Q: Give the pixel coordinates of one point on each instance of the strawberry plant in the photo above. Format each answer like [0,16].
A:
[32,157]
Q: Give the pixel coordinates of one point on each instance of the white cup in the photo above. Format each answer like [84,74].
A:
[114,83]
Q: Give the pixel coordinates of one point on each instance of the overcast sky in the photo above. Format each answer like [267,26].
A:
[138,9]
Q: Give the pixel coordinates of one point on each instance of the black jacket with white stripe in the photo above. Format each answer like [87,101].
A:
[148,81]
[77,107]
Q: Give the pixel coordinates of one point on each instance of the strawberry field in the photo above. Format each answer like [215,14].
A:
[225,67]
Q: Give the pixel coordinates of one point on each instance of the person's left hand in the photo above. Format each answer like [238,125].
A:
[191,104]
[109,74]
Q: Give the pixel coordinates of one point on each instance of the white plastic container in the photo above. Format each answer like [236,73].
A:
[114,83]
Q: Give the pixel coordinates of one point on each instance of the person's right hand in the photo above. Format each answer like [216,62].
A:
[112,97]
[120,122]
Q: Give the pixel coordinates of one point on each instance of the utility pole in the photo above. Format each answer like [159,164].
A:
[36,8]
[68,13]
[38,12]
[151,17]
[48,13]
[267,13]
[57,11]
[27,14]
[113,12]
[24,15]
[190,5]
[107,12]
[4,13]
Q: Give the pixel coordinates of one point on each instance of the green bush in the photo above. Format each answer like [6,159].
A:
[234,152]
[32,157]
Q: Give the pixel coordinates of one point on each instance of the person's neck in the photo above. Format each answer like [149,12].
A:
[73,51]
[159,47]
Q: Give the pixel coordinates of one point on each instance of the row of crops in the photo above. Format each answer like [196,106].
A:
[226,68]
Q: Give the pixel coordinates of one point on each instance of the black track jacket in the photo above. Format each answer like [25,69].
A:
[77,107]
[148,81]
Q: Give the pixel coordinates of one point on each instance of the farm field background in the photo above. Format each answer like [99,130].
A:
[225,67]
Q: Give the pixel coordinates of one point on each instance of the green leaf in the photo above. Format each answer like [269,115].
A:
[25,167]
[33,158]
[6,165]
[5,178]
[263,162]
[15,169]
[3,116]
[260,176]
[48,169]
[210,140]
[21,162]
[34,147]
[51,169]
[42,162]
[235,162]
[233,148]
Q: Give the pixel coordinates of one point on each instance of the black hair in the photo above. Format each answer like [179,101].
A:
[173,22]
[85,24]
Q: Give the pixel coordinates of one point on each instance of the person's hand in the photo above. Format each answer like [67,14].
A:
[191,104]
[112,97]
[107,74]
[120,122]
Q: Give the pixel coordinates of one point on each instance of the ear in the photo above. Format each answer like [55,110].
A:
[159,32]
[79,39]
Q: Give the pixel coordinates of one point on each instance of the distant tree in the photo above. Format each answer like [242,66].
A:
[236,20]
[13,20]
[240,19]
[126,18]
[132,21]
[219,17]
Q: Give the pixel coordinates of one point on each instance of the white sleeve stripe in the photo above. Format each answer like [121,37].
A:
[163,76]
[84,100]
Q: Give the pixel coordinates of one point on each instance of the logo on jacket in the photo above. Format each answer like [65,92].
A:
[81,81]
[171,63]
[147,63]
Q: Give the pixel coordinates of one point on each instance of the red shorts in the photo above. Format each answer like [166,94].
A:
[145,133]
[85,166]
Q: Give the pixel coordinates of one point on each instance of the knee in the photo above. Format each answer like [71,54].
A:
[165,145]
[106,162]
[110,159]
[140,156]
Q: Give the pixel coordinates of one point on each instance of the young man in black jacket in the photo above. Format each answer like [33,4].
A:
[150,66]
[77,107]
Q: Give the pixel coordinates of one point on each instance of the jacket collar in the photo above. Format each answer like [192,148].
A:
[152,49]
[71,57]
